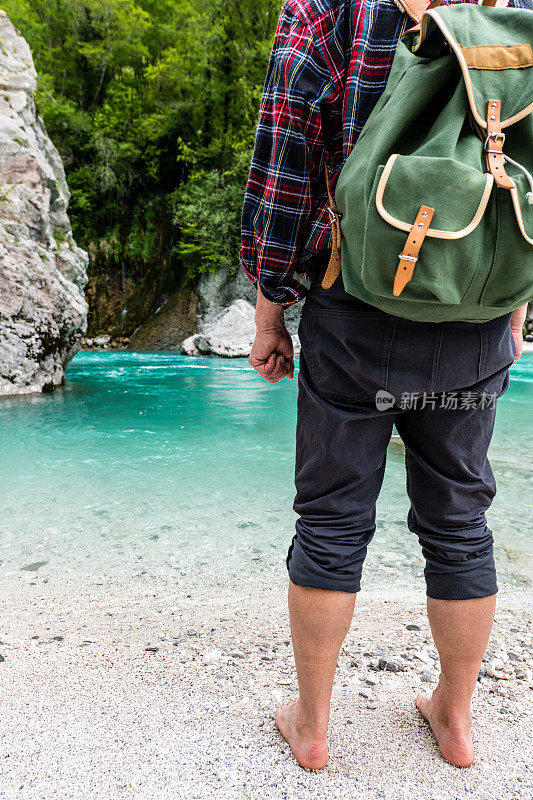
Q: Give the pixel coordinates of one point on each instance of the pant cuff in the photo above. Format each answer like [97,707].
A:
[303,571]
[466,584]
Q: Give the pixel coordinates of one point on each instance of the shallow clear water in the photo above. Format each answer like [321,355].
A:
[182,469]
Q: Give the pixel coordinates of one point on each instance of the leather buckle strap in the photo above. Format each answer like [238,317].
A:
[409,256]
[334,266]
[493,146]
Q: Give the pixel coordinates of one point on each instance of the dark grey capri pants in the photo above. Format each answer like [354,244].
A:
[350,351]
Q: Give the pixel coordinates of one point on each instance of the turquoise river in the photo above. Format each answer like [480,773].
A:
[178,468]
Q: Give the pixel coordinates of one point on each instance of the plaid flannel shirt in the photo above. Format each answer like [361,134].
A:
[329,65]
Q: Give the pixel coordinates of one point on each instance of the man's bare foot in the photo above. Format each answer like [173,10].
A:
[310,750]
[454,739]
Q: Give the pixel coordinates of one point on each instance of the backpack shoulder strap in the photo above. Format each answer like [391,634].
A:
[415,8]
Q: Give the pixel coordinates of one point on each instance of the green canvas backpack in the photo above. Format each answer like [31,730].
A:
[433,212]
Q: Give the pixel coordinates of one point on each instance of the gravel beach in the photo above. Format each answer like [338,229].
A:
[145,691]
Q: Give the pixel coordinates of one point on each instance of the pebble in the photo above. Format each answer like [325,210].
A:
[389,666]
[494,670]
[371,681]
[212,656]
[389,683]
[423,657]
[237,654]
[366,693]
[426,677]
[151,649]
[413,627]
[223,704]
[2,659]
[192,632]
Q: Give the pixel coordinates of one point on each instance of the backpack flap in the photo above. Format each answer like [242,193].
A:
[492,46]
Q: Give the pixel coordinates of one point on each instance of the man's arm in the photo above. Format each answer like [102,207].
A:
[272,352]
[285,183]
[286,192]
[517,324]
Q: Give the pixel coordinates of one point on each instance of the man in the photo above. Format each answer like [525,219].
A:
[328,67]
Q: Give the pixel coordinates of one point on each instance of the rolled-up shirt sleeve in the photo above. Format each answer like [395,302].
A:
[286,173]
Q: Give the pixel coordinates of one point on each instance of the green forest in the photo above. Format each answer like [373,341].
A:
[152,105]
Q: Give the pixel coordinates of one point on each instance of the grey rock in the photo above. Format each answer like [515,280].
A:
[151,649]
[42,271]
[192,632]
[389,666]
[426,677]
[366,693]
[1,659]
[230,334]
[188,347]
[216,291]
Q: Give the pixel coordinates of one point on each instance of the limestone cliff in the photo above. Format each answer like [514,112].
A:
[42,271]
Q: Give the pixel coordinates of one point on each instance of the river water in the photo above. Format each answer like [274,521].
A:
[178,468]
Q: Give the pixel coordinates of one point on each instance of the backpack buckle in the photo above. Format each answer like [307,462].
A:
[494,135]
[334,214]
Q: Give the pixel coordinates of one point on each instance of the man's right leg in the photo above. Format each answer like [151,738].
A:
[340,459]
[320,619]
[451,485]
[461,630]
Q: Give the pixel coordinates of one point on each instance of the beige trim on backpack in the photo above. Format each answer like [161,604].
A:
[518,212]
[435,232]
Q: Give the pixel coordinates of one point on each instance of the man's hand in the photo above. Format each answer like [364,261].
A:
[517,323]
[272,352]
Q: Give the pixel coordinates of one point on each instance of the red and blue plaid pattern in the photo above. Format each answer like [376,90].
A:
[329,65]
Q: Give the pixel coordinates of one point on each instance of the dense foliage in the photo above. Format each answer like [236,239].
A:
[152,104]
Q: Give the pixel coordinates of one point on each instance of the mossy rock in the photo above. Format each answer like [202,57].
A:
[175,321]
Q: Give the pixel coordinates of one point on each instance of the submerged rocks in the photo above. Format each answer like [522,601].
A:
[229,334]
[42,270]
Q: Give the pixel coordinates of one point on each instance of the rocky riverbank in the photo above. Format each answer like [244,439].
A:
[42,270]
[157,691]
